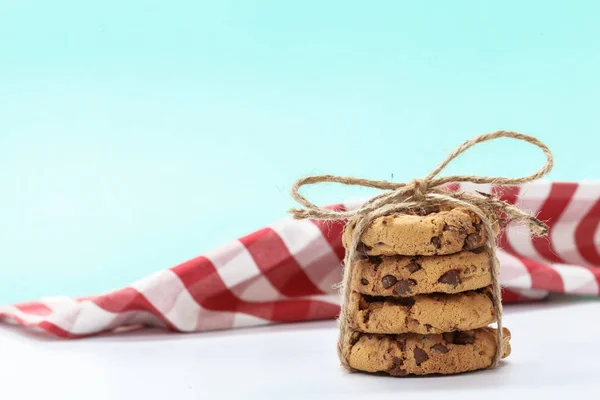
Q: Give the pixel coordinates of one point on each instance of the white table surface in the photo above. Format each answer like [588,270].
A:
[556,353]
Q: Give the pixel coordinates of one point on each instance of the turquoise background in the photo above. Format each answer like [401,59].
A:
[137,134]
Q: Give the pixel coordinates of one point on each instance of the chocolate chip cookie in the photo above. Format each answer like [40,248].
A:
[437,313]
[408,354]
[434,231]
[402,276]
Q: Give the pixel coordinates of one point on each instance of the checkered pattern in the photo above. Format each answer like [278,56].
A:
[285,272]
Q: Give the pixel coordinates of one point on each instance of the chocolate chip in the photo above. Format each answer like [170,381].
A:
[375,260]
[412,267]
[428,327]
[448,337]
[420,355]
[366,316]
[436,241]
[463,338]
[439,348]
[451,277]
[384,222]
[354,338]
[478,250]
[396,369]
[397,361]
[401,344]
[364,281]
[472,240]
[388,281]
[404,287]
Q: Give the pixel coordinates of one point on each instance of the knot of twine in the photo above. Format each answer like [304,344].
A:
[422,193]
[420,187]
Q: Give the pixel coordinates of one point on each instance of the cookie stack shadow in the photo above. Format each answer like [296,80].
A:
[421,301]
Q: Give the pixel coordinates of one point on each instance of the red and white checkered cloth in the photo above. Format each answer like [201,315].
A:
[286,272]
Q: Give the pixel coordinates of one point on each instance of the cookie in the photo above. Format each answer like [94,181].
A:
[403,276]
[409,354]
[424,314]
[434,231]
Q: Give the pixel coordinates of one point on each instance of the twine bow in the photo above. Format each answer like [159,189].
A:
[422,193]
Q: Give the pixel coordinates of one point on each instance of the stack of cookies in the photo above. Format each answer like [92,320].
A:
[421,300]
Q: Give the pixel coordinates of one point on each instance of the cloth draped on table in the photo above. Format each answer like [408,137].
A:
[286,272]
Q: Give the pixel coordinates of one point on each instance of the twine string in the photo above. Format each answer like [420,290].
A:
[425,192]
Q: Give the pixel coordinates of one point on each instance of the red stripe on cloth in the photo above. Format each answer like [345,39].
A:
[509,296]
[34,308]
[509,194]
[543,276]
[56,331]
[64,334]
[332,231]
[596,272]
[44,325]
[301,310]
[451,187]
[129,299]
[557,201]
[584,235]
[274,260]
[204,284]
[336,207]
